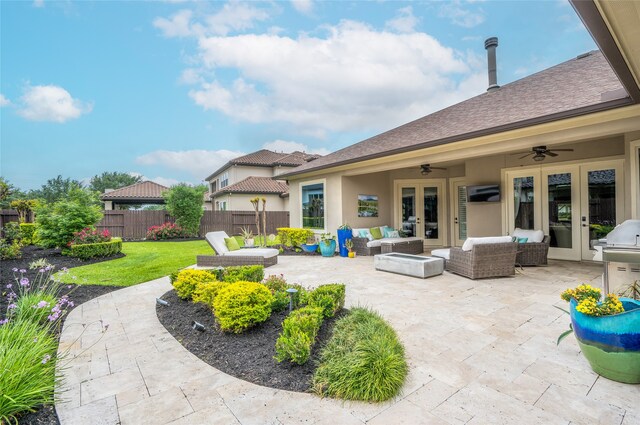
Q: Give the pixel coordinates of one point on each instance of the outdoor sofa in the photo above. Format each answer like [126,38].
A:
[364,242]
[242,257]
[481,257]
[535,250]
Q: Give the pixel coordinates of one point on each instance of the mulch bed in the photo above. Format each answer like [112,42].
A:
[248,355]
[79,294]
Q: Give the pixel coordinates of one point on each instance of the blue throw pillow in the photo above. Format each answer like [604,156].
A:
[523,240]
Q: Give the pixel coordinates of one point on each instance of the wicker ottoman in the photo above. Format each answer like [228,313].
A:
[404,247]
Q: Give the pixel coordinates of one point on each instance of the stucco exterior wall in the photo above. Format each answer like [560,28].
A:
[377,184]
[241,202]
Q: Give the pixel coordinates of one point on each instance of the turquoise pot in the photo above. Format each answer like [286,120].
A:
[327,250]
[611,344]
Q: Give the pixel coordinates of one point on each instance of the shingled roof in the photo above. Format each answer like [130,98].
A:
[143,191]
[262,185]
[267,158]
[581,85]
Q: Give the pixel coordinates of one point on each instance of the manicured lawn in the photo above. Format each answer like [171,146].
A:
[144,261]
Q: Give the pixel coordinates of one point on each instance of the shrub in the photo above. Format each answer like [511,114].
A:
[242,305]
[9,251]
[166,231]
[363,360]
[89,235]
[93,250]
[35,307]
[188,279]
[12,232]
[58,222]
[243,273]
[28,368]
[280,301]
[185,204]
[28,233]
[206,292]
[299,331]
[330,298]
[291,236]
[275,283]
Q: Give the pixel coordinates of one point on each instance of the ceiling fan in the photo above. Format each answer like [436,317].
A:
[427,168]
[539,153]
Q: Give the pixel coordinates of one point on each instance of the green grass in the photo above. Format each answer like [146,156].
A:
[363,360]
[144,261]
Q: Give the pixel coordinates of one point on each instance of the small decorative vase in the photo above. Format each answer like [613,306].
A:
[343,235]
[611,344]
[327,250]
[248,243]
[309,248]
[352,254]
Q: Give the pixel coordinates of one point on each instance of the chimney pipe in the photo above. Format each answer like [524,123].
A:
[490,44]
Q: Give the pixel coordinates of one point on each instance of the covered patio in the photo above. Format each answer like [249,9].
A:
[479,352]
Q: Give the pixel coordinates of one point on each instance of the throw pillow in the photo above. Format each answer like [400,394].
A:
[376,233]
[386,231]
[393,234]
[232,244]
[523,240]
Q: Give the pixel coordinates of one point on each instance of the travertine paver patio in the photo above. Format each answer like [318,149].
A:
[480,352]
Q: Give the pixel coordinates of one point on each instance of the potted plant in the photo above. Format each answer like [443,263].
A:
[327,245]
[247,235]
[349,245]
[608,332]
[311,245]
[344,234]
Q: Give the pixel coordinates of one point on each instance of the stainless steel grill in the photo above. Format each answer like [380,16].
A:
[621,256]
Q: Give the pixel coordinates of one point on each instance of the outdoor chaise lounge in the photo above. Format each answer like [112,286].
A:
[242,257]
[483,257]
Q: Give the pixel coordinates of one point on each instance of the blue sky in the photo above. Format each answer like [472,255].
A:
[172,90]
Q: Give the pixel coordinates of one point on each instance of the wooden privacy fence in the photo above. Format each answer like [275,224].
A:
[134,224]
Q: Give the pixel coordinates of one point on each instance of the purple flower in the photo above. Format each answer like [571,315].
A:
[12,306]
[14,270]
[70,304]
[42,304]
[41,271]
[46,358]
[11,296]
[24,281]
[64,269]
[4,321]
[23,271]
[9,286]
[53,317]
[48,268]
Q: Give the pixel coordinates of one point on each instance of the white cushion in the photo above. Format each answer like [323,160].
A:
[441,253]
[374,243]
[394,240]
[216,240]
[470,242]
[531,235]
[253,252]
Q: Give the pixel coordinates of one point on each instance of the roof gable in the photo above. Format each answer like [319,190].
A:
[255,185]
[146,190]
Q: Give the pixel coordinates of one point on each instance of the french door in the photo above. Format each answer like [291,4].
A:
[421,209]
[574,204]
[458,191]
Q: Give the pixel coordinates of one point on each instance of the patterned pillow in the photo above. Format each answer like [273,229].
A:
[393,234]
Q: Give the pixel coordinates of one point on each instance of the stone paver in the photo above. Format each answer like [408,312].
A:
[479,352]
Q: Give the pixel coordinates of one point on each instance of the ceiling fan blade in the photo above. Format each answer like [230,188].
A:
[438,168]
[562,150]
[524,156]
[550,153]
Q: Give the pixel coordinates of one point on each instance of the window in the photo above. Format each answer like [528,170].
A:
[313,206]
[213,186]
[224,180]
[222,205]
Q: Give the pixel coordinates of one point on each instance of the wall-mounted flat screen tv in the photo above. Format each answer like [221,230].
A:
[483,193]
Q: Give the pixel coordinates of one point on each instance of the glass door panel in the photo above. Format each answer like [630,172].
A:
[430,205]
[524,202]
[408,216]
[560,210]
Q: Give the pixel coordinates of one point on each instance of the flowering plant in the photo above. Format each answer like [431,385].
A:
[89,235]
[166,231]
[587,298]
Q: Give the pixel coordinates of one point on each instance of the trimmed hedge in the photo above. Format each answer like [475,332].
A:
[242,273]
[330,298]
[294,237]
[92,250]
[363,360]
[187,280]
[206,292]
[242,305]
[299,331]
[28,233]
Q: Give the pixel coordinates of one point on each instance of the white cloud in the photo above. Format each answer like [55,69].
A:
[356,78]
[51,103]
[38,3]
[165,181]
[199,163]
[460,15]
[4,101]
[404,21]
[177,26]
[288,147]
[302,6]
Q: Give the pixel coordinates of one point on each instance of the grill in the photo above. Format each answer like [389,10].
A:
[621,255]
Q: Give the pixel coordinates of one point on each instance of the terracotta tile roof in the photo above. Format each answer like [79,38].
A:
[267,158]
[255,185]
[583,82]
[146,190]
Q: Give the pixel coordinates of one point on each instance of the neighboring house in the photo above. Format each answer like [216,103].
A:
[243,178]
[417,176]
[142,193]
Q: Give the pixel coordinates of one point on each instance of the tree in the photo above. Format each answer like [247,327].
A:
[58,221]
[24,208]
[184,202]
[55,189]
[112,180]
[8,193]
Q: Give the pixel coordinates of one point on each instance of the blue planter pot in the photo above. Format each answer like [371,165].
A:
[327,250]
[611,344]
[343,236]
[309,248]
